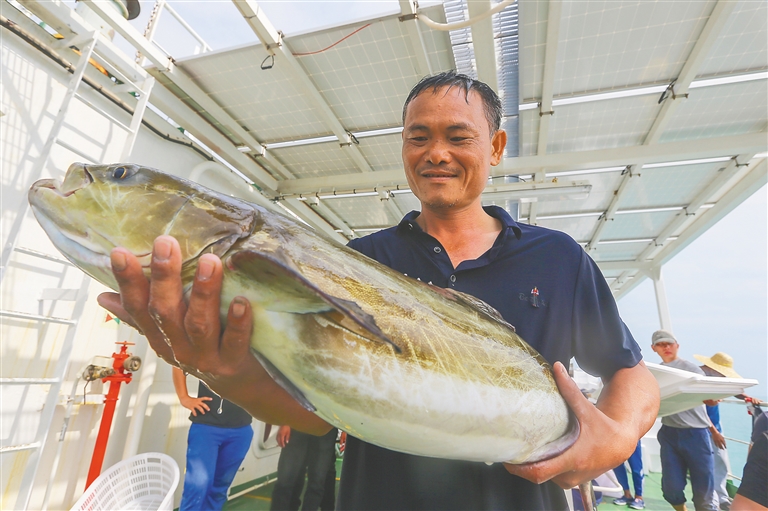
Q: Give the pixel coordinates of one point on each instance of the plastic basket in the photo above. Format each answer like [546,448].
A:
[146,481]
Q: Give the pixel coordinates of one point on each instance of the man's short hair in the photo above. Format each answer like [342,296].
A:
[491,101]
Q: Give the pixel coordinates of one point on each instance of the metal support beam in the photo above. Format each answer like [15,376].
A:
[679,90]
[714,188]
[621,156]
[548,76]
[423,65]
[483,43]
[273,42]
[752,181]
[602,222]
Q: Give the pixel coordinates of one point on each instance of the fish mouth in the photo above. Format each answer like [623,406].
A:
[76,178]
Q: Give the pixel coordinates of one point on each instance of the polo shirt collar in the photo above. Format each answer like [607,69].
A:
[408,223]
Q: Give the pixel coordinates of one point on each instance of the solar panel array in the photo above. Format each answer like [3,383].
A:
[635,50]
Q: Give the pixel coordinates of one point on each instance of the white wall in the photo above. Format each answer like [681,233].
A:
[33,88]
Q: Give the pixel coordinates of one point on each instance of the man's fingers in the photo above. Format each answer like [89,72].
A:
[134,297]
[571,392]
[202,318]
[236,341]
[166,305]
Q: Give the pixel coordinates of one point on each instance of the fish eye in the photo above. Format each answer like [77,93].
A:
[120,173]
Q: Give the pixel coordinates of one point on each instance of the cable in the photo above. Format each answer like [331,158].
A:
[334,44]
[461,24]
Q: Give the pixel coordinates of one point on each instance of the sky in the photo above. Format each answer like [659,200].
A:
[716,287]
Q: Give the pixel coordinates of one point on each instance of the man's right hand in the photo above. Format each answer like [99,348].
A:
[190,336]
[196,404]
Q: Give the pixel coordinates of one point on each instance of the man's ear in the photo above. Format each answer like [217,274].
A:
[498,144]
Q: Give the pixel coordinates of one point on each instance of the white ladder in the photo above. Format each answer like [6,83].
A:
[87,43]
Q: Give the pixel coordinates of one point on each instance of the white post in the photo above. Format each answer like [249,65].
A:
[661,299]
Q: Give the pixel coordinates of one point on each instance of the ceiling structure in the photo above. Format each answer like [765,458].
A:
[640,123]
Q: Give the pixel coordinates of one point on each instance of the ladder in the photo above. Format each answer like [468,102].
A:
[87,42]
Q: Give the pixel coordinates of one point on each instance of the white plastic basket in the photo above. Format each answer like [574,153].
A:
[143,482]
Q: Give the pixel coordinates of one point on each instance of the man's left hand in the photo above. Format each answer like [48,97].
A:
[603,443]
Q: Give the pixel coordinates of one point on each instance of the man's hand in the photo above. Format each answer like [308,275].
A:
[609,430]
[283,436]
[717,437]
[190,336]
[196,404]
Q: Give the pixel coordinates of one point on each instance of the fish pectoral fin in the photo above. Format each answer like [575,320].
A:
[298,295]
[284,382]
[288,290]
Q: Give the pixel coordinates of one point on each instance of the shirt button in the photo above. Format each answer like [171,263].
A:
[437,250]
[453,278]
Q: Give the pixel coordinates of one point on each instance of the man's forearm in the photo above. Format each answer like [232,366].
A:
[631,397]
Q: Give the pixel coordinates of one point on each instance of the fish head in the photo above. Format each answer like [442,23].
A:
[99,207]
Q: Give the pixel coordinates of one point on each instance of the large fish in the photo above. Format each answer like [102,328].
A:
[391,360]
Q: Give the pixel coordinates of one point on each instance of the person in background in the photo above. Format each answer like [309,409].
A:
[721,365]
[217,443]
[685,439]
[753,491]
[302,453]
[636,466]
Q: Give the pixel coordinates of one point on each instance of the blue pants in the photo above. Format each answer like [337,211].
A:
[685,450]
[213,456]
[314,455]
[636,465]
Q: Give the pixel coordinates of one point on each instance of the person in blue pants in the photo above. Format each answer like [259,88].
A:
[636,466]
[218,441]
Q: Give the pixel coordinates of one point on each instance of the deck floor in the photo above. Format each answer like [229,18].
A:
[260,499]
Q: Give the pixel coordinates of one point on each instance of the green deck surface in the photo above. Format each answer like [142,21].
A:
[259,500]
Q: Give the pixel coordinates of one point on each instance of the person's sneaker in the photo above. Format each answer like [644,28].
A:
[623,501]
[637,504]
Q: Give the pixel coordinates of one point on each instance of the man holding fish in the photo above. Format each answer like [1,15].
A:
[539,280]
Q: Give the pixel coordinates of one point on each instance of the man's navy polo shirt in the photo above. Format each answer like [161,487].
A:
[543,283]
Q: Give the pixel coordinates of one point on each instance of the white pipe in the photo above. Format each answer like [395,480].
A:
[147,379]
[461,24]
[60,445]
[661,299]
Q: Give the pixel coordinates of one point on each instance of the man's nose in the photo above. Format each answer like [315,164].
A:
[438,152]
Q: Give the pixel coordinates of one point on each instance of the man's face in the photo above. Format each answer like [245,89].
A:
[448,149]
[666,350]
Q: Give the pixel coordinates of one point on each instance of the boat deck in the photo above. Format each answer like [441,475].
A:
[260,499]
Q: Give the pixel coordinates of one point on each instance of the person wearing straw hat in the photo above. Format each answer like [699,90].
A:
[685,439]
[720,364]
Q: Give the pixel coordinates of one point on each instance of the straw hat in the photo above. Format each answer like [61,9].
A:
[720,362]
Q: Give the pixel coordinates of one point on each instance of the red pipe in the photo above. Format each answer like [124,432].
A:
[110,401]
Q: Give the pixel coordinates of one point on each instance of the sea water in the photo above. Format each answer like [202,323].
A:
[736,424]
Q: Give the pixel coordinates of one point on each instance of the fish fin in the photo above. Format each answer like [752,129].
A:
[280,273]
[476,303]
[284,382]
[559,446]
